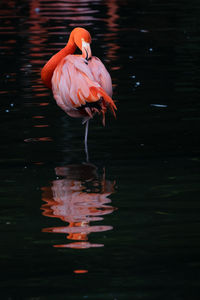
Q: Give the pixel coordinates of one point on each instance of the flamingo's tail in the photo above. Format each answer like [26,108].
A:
[106,101]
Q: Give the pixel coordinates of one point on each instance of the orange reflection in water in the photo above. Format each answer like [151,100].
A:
[80,271]
[79,197]
[113,28]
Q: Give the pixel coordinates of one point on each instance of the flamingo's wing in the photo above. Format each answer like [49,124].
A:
[75,84]
[101,74]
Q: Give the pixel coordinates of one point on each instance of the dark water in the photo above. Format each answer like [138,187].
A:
[127,225]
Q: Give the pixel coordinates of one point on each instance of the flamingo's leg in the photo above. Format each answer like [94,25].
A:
[86,136]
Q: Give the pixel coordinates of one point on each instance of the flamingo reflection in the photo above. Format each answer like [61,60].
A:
[79,196]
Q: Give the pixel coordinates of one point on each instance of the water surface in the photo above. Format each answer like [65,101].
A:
[126,225]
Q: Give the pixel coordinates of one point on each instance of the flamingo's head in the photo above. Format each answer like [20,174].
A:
[82,39]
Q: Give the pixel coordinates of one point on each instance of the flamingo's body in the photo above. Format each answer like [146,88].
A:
[78,87]
[81,84]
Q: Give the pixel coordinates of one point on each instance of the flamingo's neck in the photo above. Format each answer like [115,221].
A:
[48,69]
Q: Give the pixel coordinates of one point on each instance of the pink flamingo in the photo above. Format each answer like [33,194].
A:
[81,84]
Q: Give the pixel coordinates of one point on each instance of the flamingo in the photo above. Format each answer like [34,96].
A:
[81,84]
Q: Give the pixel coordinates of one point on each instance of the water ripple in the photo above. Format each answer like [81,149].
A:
[79,198]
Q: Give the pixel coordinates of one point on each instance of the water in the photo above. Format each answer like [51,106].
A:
[126,225]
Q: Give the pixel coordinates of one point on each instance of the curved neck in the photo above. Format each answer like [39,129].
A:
[48,69]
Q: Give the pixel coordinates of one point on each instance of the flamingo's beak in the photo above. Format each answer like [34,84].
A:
[86,50]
